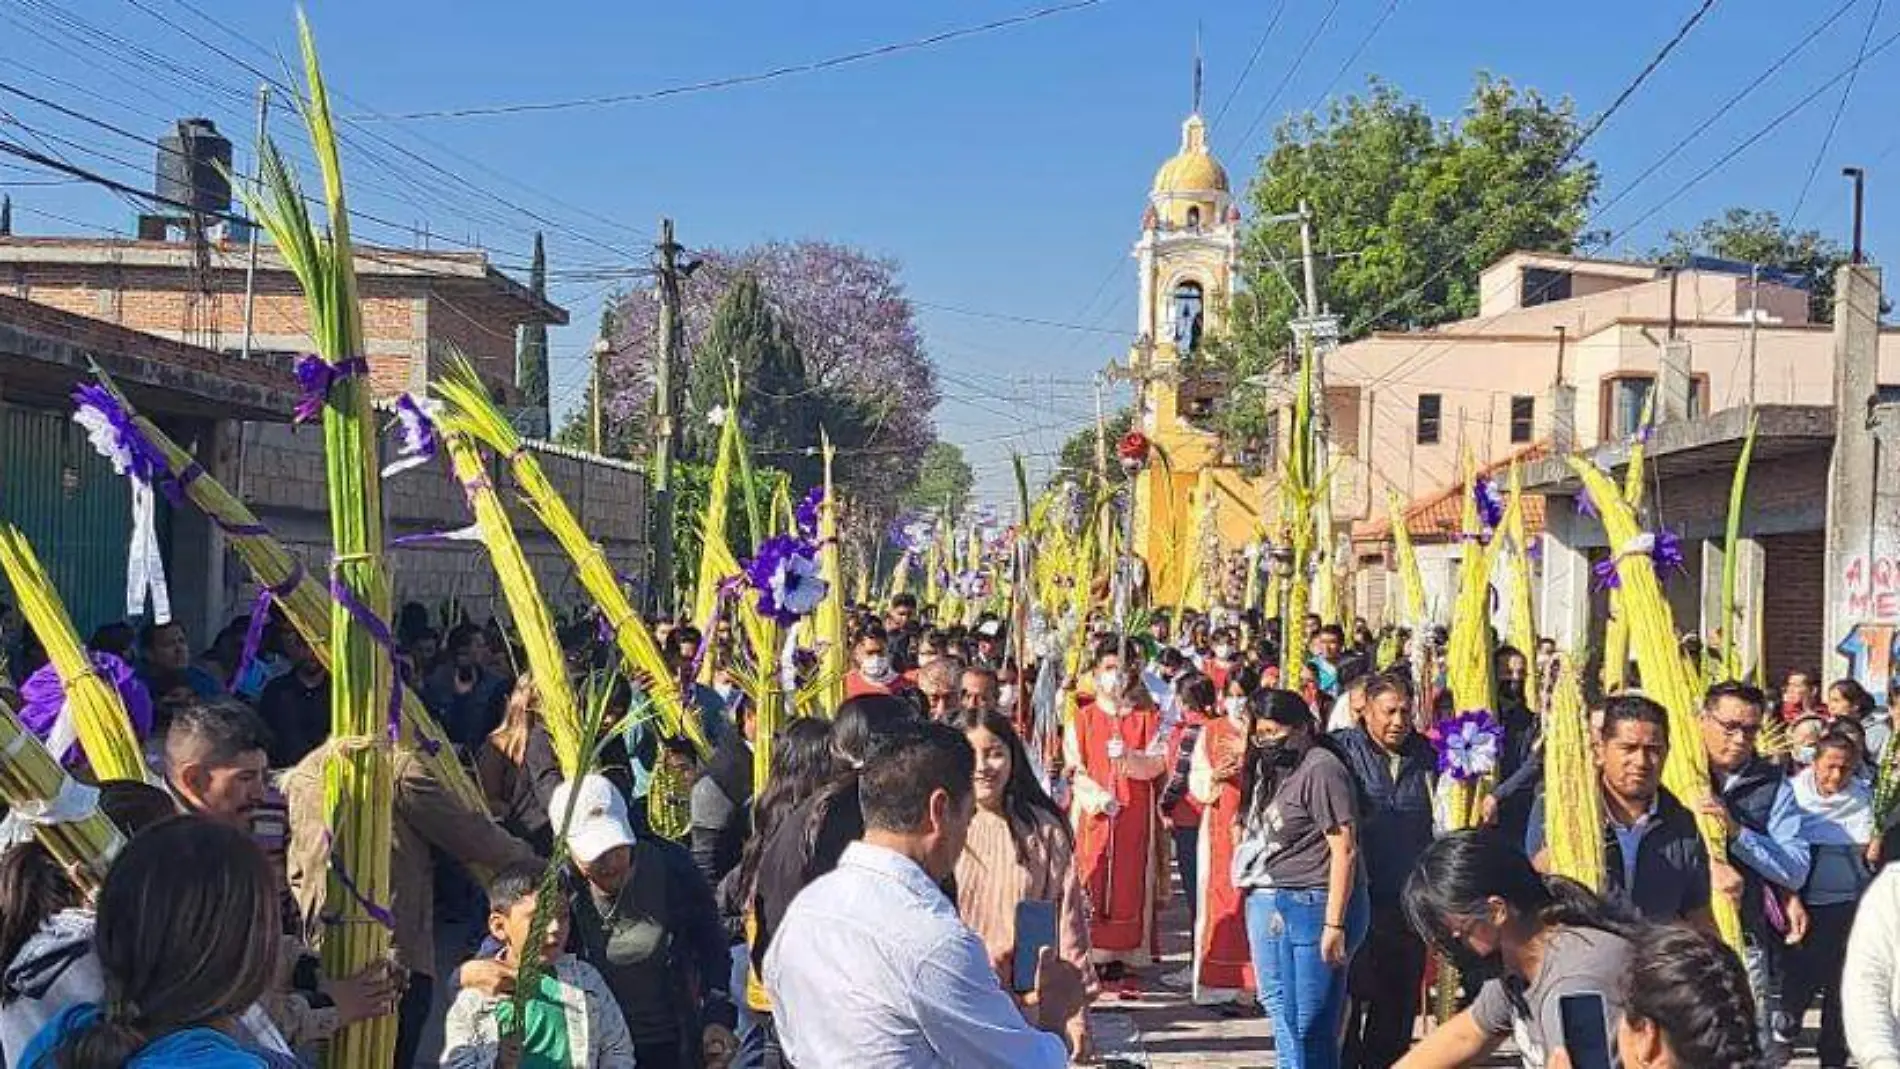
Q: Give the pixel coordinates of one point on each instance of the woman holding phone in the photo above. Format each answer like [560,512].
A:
[1297,861]
[1558,954]
[1019,860]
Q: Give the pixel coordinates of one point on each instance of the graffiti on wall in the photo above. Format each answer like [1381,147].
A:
[1872,588]
[1871,650]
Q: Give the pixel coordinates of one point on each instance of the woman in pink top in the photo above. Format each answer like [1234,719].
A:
[1019,850]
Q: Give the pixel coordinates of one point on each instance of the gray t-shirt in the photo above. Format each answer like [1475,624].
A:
[1577,961]
[1286,848]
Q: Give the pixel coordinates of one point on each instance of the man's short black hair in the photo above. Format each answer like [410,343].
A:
[216,731]
[512,884]
[1746,693]
[1334,630]
[909,765]
[462,634]
[148,636]
[904,601]
[1637,708]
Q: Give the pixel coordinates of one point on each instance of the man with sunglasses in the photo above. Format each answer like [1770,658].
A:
[1767,855]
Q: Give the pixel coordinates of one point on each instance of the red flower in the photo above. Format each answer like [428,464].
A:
[1133,447]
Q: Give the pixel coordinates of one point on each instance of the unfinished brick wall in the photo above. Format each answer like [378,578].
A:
[284,482]
[1792,602]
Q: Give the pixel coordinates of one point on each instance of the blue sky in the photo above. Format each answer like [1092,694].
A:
[1005,172]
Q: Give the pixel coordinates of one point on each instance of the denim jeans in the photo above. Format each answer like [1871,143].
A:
[1305,996]
[1187,845]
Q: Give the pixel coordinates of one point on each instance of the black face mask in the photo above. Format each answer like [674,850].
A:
[1512,689]
[1280,753]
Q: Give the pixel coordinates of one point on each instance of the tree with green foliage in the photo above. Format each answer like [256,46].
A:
[1758,236]
[531,360]
[943,482]
[748,343]
[1076,458]
[1408,210]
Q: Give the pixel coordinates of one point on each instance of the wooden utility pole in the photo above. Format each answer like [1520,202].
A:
[666,445]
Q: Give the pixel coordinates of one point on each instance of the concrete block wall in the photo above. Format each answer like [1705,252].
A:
[283,481]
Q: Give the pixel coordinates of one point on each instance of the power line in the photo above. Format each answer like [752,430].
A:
[1834,121]
[1364,42]
[1292,68]
[738,80]
[1252,58]
[1027,320]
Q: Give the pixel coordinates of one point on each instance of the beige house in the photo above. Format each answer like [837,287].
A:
[1565,351]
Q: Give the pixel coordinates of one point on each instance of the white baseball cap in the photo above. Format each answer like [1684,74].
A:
[600,817]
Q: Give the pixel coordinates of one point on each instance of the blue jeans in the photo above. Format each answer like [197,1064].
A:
[1305,996]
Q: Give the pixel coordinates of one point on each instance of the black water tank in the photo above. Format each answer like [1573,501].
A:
[189,162]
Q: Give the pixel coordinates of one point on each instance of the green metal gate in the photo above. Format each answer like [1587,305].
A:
[71,506]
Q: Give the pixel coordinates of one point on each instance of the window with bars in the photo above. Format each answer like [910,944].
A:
[1430,415]
[1523,419]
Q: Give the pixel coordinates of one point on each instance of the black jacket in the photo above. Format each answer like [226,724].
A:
[1395,813]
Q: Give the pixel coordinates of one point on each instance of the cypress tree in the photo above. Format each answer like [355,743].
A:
[531,360]
[779,408]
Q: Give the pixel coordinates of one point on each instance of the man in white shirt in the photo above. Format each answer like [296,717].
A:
[871,968]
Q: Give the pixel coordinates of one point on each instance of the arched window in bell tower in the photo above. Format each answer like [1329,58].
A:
[1194,217]
[1187,315]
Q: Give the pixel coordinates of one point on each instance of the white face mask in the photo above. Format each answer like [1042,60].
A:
[1223,652]
[1006,696]
[724,690]
[1234,706]
[1108,684]
[875,667]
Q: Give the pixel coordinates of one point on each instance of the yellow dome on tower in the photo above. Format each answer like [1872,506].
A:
[1192,170]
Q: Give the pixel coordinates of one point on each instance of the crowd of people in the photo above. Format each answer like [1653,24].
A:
[943,873]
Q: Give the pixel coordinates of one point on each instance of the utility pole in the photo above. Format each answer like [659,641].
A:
[602,347]
[1754,325]
[1320,331]
[666,408]
[250,267]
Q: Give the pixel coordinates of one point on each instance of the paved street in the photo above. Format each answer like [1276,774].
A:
[1163,1030]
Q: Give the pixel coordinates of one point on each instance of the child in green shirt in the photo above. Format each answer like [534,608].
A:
[569,1020]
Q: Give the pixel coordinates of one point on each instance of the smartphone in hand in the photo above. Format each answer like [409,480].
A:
[1586,1025]
[1035,929]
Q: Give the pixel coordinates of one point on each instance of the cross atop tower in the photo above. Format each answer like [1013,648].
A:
[1196,110]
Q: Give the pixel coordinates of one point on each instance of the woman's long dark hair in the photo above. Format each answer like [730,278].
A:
[1025,803]
[33,884]
[187,937]
[801,762]
[1695,991]
[1263,776]
[1458,875]
[835,818]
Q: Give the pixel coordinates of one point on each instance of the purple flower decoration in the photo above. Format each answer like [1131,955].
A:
[1666,553]
[806,514]
[43,704]
[117,438]
[785,574]
[1490,502]
[1586,505]
[416,441]
[315,377]
[1468,745]
[912,532]
[1604,574]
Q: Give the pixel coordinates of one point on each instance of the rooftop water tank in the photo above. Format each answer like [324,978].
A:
[194,163]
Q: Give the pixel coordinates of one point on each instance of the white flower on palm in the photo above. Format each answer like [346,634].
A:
[796,585]
[716,415]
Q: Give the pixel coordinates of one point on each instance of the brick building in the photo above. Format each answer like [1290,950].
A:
[416,304]
[234,416]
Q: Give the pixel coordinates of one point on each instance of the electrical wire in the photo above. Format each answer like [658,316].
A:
[1834,121]
[1364,42]
[1252,58]
[736,81]
[1286,77]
